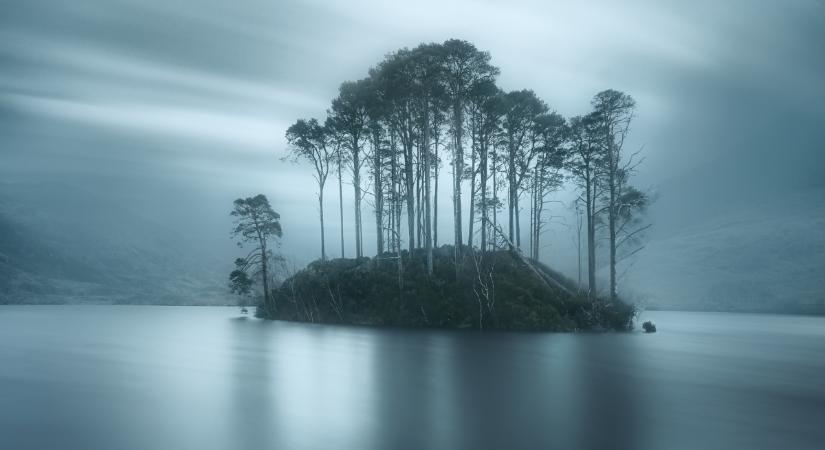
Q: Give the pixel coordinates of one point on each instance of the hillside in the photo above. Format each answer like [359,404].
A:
[63,244]
[759,256]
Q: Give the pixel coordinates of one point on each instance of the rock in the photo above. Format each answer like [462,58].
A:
[649,327]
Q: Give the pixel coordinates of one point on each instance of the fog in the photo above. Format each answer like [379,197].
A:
[166,111]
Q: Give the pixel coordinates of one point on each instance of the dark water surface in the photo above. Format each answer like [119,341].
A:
[120,377]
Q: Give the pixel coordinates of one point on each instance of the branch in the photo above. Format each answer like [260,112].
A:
[624,239]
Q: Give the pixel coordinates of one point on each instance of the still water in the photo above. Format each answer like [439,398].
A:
[121,377]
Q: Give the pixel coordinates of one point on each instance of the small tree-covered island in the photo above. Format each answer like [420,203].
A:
[389,136]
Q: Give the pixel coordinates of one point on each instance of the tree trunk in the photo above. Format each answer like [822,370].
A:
[418,194]
[471,218]
[410,194]
[484,206]
[458,169]
[379,195]
[518,223]
[545,278]
[321,214]
[538,207]
[495,198]
[591,238]
[613,293]
[511,189]
[400,261]
[428,236]
[579,244]
[532,225]
[356,185]
[341,202]
[539,211]
[395,199]
[435,200]
[611,220]
[267,306]
[396,214]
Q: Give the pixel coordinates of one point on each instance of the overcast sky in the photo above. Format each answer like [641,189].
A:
[181,105]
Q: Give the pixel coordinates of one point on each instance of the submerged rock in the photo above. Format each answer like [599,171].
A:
[649,327]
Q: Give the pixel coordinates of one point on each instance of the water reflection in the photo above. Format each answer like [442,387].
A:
[412,391]
[176,378]
[251,416]
[609,399]
[321,381]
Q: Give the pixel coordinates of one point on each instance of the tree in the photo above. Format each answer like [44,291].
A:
[376,131]
[577,206]
[395,75]
[486,107]
[394,119]
[464,66]
[631,205]
[547,137]
[340,159]
[429,93]
[438,120]
[522,109]
[583,163]
[614,111]
[349,117]
[309,141]
[255,224]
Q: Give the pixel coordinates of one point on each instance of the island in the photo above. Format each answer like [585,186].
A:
[494,291]
[433,116]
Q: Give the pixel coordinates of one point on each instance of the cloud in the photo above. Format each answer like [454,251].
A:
[245,132]
[202,91]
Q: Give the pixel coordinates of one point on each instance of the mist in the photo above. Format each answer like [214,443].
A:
[168,111]
[575,225]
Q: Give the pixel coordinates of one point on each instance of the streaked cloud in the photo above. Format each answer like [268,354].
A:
[208,87]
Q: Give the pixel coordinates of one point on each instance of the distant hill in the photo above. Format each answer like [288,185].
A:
[765,255]
[64,244]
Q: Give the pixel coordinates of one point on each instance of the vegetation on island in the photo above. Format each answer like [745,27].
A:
[490,291]
[392,133]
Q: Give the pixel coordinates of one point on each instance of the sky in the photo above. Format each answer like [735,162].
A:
[176,107]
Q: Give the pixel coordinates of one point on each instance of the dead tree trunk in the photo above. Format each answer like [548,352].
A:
[546,279]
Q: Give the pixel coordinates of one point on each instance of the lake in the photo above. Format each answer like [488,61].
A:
[145,377]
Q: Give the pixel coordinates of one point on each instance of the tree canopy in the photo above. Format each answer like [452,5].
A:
[418,103]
